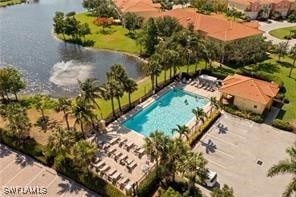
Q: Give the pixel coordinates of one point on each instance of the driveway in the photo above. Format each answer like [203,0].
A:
[235,149]
[276,25]
[21,173]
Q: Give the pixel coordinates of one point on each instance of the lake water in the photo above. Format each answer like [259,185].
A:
[51,66]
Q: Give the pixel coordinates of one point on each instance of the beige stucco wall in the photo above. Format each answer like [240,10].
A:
[245,104]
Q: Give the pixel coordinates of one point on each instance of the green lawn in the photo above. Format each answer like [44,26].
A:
[9,3]
[115,39]
[282,32]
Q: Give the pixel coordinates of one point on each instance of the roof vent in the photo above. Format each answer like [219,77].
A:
[259,162]
[188,18]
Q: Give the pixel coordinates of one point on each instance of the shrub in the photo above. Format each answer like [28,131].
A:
[242,113]
[149,184]
[281,124]
[286,100]
[197,134]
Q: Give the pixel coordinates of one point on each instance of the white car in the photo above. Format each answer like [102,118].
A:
[212,179]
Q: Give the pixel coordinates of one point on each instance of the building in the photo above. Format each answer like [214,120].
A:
[145,8]
[215,26]
[262,8]
[248,93]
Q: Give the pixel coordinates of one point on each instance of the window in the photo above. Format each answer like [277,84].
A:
[255,106]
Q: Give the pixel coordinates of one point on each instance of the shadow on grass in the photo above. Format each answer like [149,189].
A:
[281,114]
[284,64]
[131,35]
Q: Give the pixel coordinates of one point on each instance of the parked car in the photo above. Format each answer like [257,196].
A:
[211,180]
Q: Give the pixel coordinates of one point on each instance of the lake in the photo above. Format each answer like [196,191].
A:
[49,65]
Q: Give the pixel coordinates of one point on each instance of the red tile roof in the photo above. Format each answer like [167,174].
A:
[249,88]
[215,26]
[138,6]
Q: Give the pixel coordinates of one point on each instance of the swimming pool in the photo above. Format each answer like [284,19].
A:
[174,107]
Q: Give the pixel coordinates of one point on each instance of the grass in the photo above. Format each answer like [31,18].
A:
[282,32]
[115,38]
[10,2]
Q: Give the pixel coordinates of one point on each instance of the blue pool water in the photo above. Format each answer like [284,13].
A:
[166,112]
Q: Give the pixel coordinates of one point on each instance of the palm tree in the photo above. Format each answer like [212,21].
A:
[214,103]
[286,166]
[42,103]
[130,87]
[182,130]
[199,114]
[64,105]
[109,94]
[18,121]
[83,114]
[193,167]
[281,49]
[153,69]
[60,141]
[83,153]
[225,191]
[292,53]
[90,90]
[118,90]
[155,146]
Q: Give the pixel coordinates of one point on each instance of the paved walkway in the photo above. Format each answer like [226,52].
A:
[20,173]
[266,27]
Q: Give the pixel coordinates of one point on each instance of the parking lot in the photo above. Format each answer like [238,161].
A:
[235,149]
[19,171]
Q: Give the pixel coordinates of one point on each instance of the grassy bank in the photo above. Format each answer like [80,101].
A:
[5,3]
[282,32]
[115,38]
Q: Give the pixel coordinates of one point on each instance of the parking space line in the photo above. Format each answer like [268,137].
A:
[15,175]
[7,165]
[219,139]
[51,182]
[217,164]
[42,170]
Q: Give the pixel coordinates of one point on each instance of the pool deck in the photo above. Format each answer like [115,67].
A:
[116,130]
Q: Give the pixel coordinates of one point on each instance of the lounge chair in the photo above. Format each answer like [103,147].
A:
[114,140]
[131,166]
[122,182]
[140,152]
[105,169]
[110,173]
[117,155]
[99,165]
[113,150]
[116,176]
[129,145]
[122,159]
[129,161]
[122,142]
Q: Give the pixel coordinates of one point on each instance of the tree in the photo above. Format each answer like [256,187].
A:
[83,30]
[292,17]
[281,49]
[91,5]
[64,105]
[193,168]
[131,21]
[214,103]
[150,39]
[109,93]
[153,69]
[11,82]
[226,191]
[90,90]
[59,25]
[130,87]
[42,103]
[167,25]
[60,141]
[18,121]
[155,146]
[287,166]
[72,27]
[83,113]
[83,153]
[292,54]
[170,192]
[182,130]
[199,114]
[105,10]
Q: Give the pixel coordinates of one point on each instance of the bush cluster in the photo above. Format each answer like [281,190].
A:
[281,124]
[243,114]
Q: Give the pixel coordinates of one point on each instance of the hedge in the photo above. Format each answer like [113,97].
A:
[149,185]
[281,124]
[29,146]
[197,134]
[243,114]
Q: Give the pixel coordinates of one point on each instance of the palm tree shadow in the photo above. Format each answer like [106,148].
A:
[23,161]
[222,129]
[284,64]
[68,187]
[210,146]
